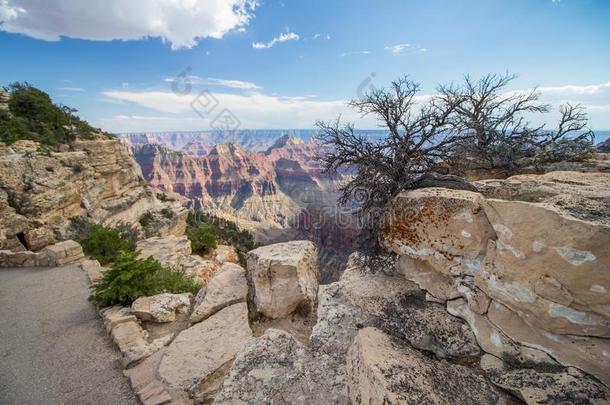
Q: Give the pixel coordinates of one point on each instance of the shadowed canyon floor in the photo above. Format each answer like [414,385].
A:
[52,346]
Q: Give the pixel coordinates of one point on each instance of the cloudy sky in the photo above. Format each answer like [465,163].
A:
[146,65]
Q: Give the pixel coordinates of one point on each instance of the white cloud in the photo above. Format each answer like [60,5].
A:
[235,84]
[255,110]
[572,89]
[289,36]
[78,89]
[180,22]
[398,48]
[355,53]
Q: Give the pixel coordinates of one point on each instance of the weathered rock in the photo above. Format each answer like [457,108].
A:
[227,287]
[547,267]
[588,354]
[38,238]
[161,307]
[283,277]
[551,388]
[581,195]
[275,368]
[95,272]
[202,350]
[39,192]
[171,251]
[491,364]
[380,371]
[64,252]
[149,389]
[202,270]
[115,315]
[493,340]
[448,229]
[392,304]
[131,341]
[225,254]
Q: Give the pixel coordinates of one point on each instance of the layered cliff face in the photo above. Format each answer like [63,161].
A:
[41,191]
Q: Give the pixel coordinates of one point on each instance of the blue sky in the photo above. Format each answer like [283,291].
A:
[285,64]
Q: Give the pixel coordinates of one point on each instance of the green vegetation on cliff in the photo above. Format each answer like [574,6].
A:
[130,278]
[206,230]
[32,115]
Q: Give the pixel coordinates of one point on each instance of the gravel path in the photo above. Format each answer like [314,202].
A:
[53,349]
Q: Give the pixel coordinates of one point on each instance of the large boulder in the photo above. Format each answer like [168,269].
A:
[283,277]
[195,358]
[227,287]
[567,387]
[276,368]
[539,254]
[382,371]
[391,303]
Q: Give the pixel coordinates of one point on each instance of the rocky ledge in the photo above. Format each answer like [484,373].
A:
[98,180]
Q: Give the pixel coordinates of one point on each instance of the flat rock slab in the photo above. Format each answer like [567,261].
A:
[54,349]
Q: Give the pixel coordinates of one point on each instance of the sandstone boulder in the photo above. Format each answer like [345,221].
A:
[547,267]
[200,353]
[171,251]
[447,229]
[38,238]
[588,354]
[161,307]
[552,388]
[380,370]
[131,341]
[227,287]
[275,368]
[225,254]
[392,304]
[283,277]
[64,252]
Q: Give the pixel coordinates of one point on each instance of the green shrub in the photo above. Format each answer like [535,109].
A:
[202,237]
[146,219]
[101,242]
[131,278]
[167,213]
[227,232]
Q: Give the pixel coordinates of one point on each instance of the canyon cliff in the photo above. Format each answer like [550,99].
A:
[280,193]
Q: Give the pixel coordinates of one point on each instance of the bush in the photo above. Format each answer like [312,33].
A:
[101,242]
[167,213]
[227,232]
[202,237]
[146,219]
[131,278]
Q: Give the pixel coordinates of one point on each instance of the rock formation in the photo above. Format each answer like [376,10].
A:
[40,191]
[527,277]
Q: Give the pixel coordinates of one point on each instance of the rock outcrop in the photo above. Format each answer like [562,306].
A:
[383,372]
[227,287]
[95,179]
[58,254]
[531,279]
[283,277]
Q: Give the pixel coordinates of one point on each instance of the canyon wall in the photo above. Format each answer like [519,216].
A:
[40,191]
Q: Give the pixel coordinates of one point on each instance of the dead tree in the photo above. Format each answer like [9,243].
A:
[492,120]
[419,138]
[572,141]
